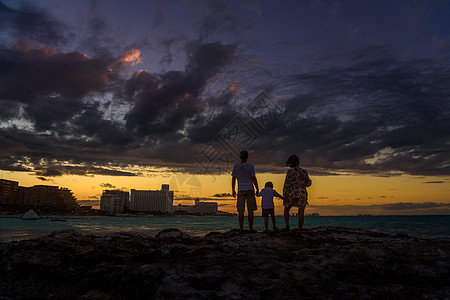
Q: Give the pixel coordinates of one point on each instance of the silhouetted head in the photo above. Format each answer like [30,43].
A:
[269,184]
[243,155]
[293,161]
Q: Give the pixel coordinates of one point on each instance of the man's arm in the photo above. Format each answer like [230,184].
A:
[255,183]
[233,186]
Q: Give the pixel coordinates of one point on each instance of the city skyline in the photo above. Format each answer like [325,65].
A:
[101,94]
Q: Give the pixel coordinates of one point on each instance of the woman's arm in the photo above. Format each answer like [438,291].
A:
[307,180]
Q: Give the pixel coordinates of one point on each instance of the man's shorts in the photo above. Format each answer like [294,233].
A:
[246,197]
[268,211]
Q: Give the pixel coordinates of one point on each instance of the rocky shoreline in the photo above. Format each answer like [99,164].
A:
[327,263]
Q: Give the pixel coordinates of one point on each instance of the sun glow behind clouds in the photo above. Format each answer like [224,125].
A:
[133,57]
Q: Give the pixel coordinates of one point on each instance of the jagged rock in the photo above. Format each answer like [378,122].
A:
[327,263]
[171,233]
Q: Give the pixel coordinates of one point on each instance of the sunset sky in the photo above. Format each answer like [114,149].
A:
[98,95]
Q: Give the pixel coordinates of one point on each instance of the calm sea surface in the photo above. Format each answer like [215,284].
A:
[14,229]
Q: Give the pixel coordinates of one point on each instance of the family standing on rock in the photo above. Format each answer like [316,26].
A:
[294,192]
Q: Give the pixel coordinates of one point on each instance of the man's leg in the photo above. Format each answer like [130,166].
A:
[251,217]
[240,205]
[251,207]
[241,220]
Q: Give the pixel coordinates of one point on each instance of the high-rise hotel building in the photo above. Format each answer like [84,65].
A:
[148,201]
[61,199]
[9,192]
[37,197]
[115,201]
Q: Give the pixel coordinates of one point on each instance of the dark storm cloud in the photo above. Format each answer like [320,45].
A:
[47,88]
[53,173]
[43,178]
[107,185]
[162,104]
[9,144]
[9,109]
[50,90]
[395,111]
[90,122]
[81,171]
[27,72]
[50,155]
[376,115]
[31,23]
[8,163]
[203,128]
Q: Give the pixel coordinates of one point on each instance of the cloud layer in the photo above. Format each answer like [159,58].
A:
[361,110]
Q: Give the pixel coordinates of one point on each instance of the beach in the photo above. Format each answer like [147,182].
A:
[326,263]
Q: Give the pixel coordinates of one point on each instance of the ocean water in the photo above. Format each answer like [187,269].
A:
[14,229]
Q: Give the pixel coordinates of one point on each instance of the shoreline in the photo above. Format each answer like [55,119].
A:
[328,262]
[14,228]
[225,215]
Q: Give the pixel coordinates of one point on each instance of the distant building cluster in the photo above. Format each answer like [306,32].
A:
[41,197]
[117,201]
[199,208]
[46,198]
[157,201]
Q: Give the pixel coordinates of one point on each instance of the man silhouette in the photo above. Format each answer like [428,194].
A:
[244,172]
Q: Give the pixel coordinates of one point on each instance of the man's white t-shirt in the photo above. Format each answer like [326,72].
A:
[267,195]
[244,173]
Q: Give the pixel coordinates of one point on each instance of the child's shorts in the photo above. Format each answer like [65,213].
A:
[268,211]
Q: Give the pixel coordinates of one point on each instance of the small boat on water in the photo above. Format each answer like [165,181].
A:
[30,215]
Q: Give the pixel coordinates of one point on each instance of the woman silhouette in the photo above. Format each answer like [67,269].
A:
[294,191]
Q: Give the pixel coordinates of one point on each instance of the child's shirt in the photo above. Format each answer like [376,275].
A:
[267,195]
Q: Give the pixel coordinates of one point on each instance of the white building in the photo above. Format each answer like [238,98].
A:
[115,201]
[152,200]
[199,207]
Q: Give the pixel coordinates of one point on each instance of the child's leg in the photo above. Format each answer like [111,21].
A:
[273,221]
[266,222]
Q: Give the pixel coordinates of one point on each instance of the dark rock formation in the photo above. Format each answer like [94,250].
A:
[327,263]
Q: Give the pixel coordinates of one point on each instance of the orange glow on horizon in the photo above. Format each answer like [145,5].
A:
[328,195]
